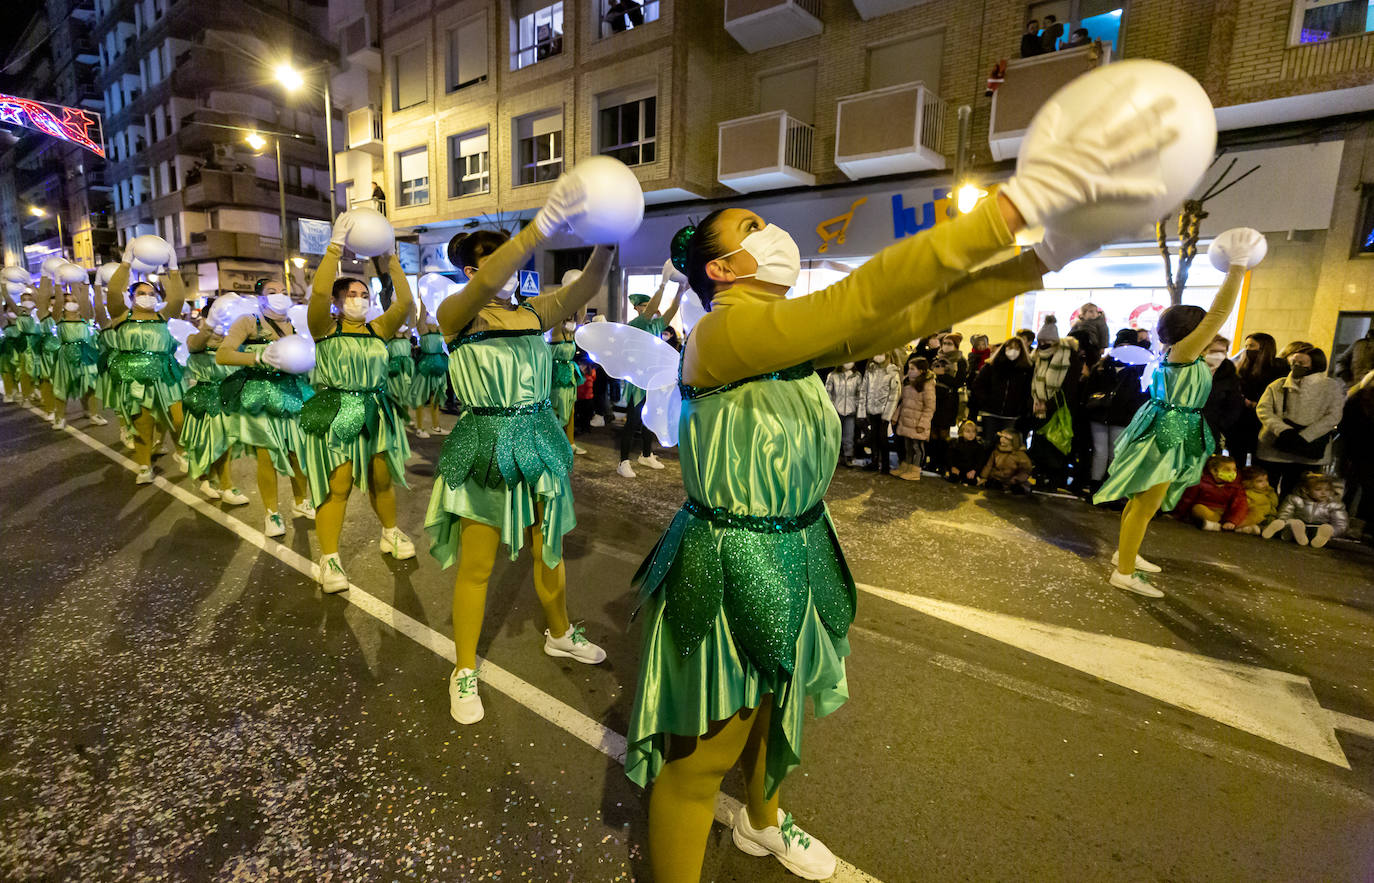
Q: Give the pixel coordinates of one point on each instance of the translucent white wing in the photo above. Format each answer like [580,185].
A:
[662,412]
[183,354]
[180,329]
[299,322]
[629,353]
[692,310]
[1137,355]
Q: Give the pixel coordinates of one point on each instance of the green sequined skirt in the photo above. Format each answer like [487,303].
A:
[342,426]
[428,385]
[205,435]
[37,355]
[1162,444]
[146,381]
[500,469]
[73,372]
[733,616]
[262,409]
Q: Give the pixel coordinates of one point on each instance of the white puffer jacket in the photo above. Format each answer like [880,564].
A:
[843,387]
[881,391]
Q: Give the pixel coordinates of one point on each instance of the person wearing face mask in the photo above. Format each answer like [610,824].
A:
[1298,416]
[351,433]
[73,373]
[879,397]
[149,380]
[647,319]
[844,386]
[262,404]
[205,431]
[504,475]
[1226,402]
[746,601]
[1162,453]
[567,377]
[429,384]
[1001,393]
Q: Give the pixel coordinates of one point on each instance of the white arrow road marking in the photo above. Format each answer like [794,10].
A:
[1273,705]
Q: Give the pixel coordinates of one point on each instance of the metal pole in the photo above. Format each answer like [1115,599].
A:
[61,249]
[281,205]
[329,143]
[961,155]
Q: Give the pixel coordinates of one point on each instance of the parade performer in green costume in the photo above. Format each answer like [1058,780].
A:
[11,343]
[40,350]
[263,405]
[567,377]
[647,319]
[352,433]
[1163,451]
[400,370]
[205,431]
[429,385]
[504,472]
[74,368]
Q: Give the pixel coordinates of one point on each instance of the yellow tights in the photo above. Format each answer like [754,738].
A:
[49,401]
[433,408]
[1135,519]
[683,801]
[569,429]
[479,543]
[143,433]
[330,515]
[267,481]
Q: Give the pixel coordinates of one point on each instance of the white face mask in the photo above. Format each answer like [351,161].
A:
[776,253]
[146,301]
[570,327]
[355,308]
[1013,354]
[27,304]
[277,303]
[1214,359]
[72,308]
[879,359]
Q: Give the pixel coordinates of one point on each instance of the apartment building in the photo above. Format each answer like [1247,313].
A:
[184,85]
[838,119]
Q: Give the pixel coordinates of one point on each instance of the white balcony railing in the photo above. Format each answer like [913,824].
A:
[1028,84]
[767,151]
[890,131]
[365,129]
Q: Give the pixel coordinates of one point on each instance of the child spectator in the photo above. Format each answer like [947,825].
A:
[979,353]
[914,415]
[1009,466]
[1315,504]
[946,412]
[585,407]
[1260,498]
[878,397]
[843,387]
[1218,501]
[967,456]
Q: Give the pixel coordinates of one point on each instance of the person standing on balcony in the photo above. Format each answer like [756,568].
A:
[379,195]
[1049,37]
[1030,40]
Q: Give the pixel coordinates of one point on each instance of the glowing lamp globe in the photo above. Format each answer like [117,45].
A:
[150,252]
[612,200]
[106,272]
[15,275]
[71,274]
[294,354]
[51,264]
[371,233]
[1121,88]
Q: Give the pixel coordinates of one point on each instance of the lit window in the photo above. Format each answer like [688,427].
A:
[538,148]
[412,170]
[627,130]
[1315,21]
[470,164]
[618,16]
[538,34]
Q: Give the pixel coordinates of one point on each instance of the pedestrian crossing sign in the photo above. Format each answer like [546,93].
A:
[529,283]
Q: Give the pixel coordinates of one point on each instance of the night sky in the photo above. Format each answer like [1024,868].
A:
[17,14]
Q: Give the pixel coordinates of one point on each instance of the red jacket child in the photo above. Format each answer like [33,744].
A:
[1218,494]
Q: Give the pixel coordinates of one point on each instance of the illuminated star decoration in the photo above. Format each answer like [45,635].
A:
[76,126]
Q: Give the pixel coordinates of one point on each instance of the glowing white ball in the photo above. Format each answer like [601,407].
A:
[1127,86]
[151,252]
[106,272]
[51,264]
[228,309]
[71,274]
[371,233]
[294,354]
[612,200]
[571,276]
[15,275]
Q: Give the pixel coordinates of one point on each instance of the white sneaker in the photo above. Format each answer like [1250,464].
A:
[97,419]
[1135,583]
[438,430]
[59,424]
[624,469]
[180,459]
[573,646]
[1274,528]
[464,704]
[1140,563]
[232,497]
[331,574]
[274,526]
[1324,533]
[597,421]
[397,544]
[126,438]
[50,417]
[9,399]
[1211,525]
[578,449]
[420,433]
[651,461]
[1299,531]
[209,490]
[303,509]
[798,851]
[145,476]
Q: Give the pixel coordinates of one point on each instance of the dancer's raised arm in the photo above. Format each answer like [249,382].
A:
[402,301]
[573,297]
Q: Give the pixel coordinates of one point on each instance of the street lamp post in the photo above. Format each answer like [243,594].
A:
[39,212]
[293,79]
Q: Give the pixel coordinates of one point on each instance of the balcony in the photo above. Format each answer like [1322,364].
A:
[213,188]
[1029,84]
[889,131]
[873,8]
[365,130]
[768,151]
[358,43]
[762,24]
[228,244]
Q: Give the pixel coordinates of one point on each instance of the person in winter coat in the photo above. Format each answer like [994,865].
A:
[1048,335]
[958,365]
[1001,392]
[1009,466]
[946,413]
[914,416]
[1226,402]
[1296,412]
[1358,359]
[967,455]
[843,386]
[1357,459]
[1056,371]
[1257,366]
[1091,320]
[879,395]
[1312,511]
[979,353]
[1262,503]
[1111,397]
[1218,501]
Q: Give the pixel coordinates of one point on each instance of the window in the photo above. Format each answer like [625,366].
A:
[618,16]
[412,170]
[408,87]
[913,60]
[467,54]
[538,32]
[1317,20]
[1364,228]
[792,90]
[626,127]
[470,164]
[538,147]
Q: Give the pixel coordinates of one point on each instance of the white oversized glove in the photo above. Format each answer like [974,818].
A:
[1239,246]
[342,224]
[128,257]
[171,258]
[673,274]
[1060,168]
[1057,249]
[566,203]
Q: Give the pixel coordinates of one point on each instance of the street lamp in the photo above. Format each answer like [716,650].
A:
[39,212]
[293,80]
[257,142]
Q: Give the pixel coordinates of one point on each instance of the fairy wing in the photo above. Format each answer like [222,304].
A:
[692,310]
[629,353]
[1137,355]
[180,329]
[299,321]
[662,412]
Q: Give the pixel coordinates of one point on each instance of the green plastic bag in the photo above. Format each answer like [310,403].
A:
[1059,430]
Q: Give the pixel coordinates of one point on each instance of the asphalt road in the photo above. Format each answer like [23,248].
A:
[179,702]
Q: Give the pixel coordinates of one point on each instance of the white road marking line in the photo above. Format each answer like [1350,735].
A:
[1350,724]
[556,712]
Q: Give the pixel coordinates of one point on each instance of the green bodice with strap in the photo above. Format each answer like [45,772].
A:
[507,454]
[1168,440]
[567,377]
[261,389]
[431,372]
[145,369]
[349,419]
[10,344]
[73,371]
[747,593]
[106,384]
[205,432]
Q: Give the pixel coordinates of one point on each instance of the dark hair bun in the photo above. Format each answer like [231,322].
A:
[677,251]
[453,255]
